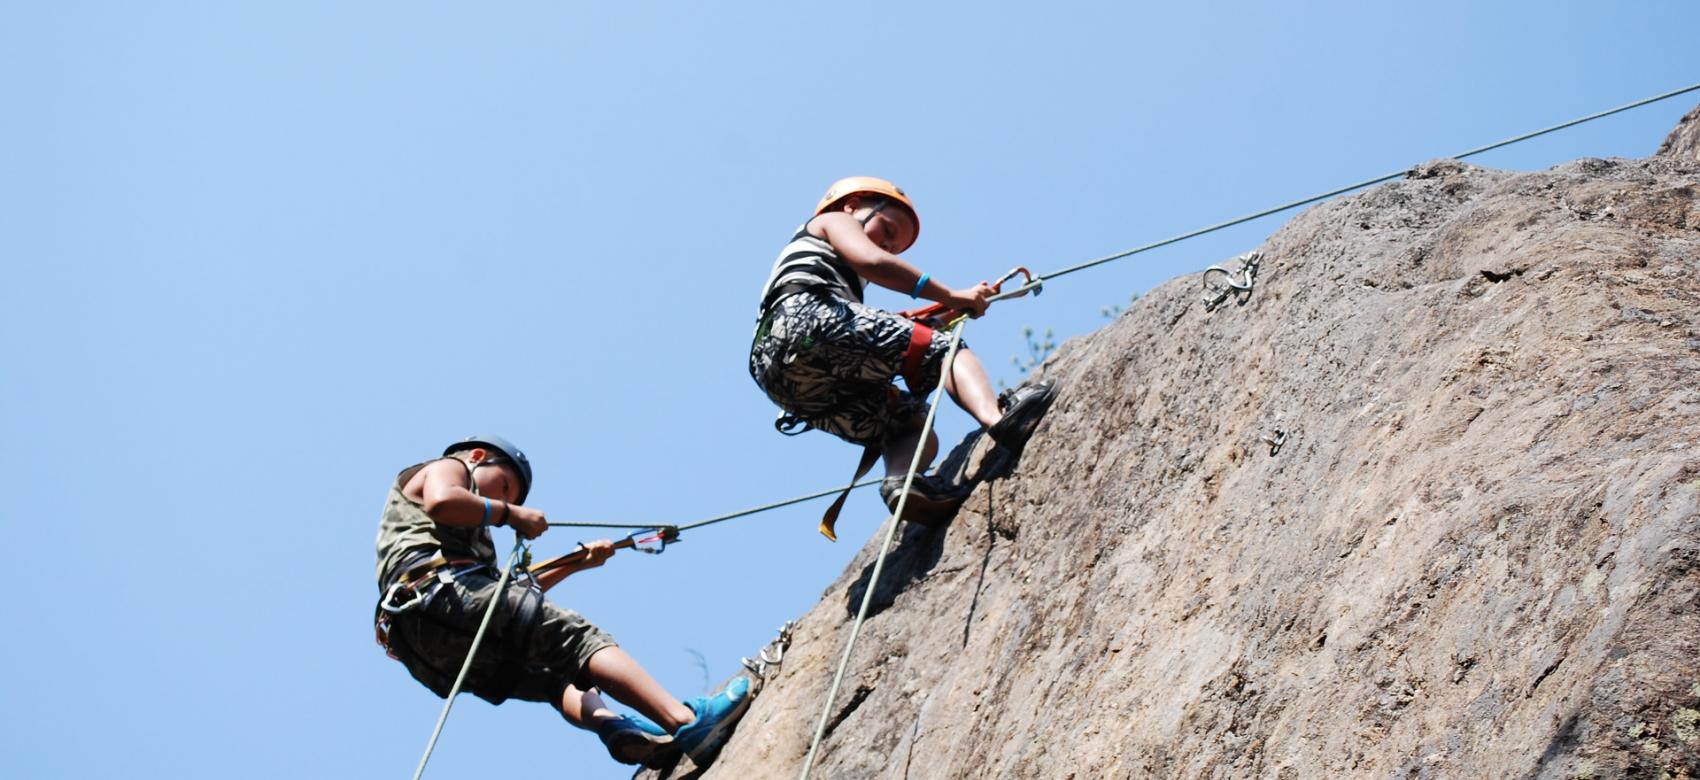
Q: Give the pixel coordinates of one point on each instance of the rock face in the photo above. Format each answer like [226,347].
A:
[1476,553]
[1684,141]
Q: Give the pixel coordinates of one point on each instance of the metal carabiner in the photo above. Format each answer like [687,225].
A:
[1216,293]
[791,425]
[396,609]
[772,654]
[1027,285]
[653,541]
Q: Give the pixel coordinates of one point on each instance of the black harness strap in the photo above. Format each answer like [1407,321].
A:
[516,634]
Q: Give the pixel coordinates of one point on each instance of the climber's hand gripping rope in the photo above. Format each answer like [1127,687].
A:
[649,540]
[939,316]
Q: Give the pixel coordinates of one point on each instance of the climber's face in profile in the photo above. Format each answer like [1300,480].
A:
[891,229]
[495,479]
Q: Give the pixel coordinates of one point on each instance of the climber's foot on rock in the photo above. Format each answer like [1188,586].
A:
[931,500]
[1023,408]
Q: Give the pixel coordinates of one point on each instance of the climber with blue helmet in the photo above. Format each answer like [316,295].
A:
[438,577]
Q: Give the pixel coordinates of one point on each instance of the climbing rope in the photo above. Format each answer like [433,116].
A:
[477,639]
[885,547]
[1338,191]
[730,515]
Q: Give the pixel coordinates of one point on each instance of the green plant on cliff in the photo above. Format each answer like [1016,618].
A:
[1039,348]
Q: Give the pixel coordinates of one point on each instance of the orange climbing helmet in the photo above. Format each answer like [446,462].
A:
[867,185]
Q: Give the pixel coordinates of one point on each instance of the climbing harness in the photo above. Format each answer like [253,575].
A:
[419,582]
[1236,284]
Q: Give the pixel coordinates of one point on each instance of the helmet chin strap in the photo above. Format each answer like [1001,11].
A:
[472,472]
[874,210]
[472,476]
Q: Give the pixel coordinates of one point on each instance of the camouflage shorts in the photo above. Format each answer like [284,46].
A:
[831,362]
[432,641]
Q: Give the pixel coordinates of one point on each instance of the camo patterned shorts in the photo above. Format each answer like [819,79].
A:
[831,363]
[432,641]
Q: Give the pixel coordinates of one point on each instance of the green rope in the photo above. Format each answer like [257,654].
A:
[1337,191]
[885,547]
[730,515]
[776,505]
[477,639]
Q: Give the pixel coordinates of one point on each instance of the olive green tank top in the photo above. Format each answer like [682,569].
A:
[406,532]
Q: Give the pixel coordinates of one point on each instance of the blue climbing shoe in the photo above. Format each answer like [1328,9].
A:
[633,739]
[702,738]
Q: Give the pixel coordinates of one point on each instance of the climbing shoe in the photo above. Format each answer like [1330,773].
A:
[633,739]
[931,500]
[1023,408]
[702,738]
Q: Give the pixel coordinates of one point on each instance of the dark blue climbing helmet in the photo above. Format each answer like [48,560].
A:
[504,452]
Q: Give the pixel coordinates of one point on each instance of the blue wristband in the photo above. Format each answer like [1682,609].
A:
[920,285]
[486,521]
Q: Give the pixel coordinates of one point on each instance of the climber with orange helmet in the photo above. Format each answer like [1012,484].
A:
[828,359]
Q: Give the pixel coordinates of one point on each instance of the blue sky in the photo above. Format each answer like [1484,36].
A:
[259,257]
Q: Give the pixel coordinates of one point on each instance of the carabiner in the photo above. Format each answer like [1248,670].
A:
[1027,285]
[654,540]
[396,609]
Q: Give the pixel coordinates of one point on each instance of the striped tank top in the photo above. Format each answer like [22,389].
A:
[808,261]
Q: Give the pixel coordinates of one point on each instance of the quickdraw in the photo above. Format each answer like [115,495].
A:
[1217,292]
[772,656]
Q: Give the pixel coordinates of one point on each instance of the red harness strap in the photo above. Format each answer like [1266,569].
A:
[920,338]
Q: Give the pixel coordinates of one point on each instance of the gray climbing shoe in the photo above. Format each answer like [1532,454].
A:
[1023,408]
[931,500]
